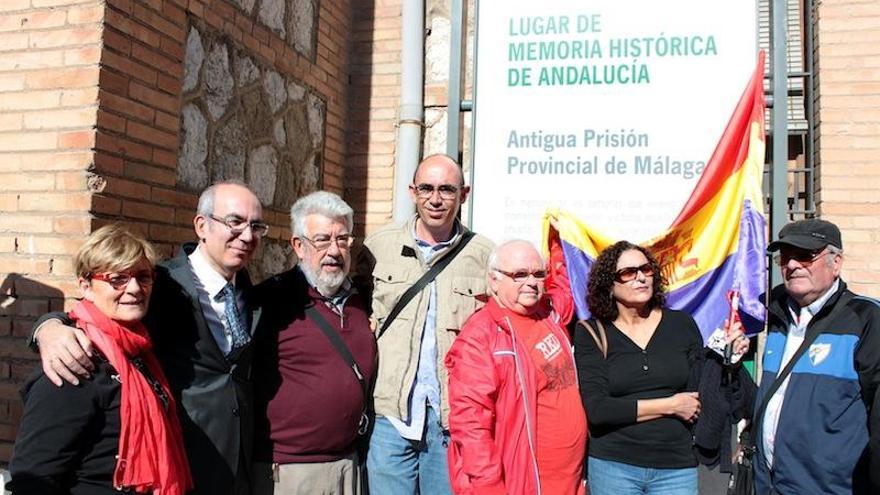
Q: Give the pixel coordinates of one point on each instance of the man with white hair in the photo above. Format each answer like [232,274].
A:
[816,425]
[317,359]
[516,420]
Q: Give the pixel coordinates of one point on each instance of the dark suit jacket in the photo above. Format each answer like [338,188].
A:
[214,393]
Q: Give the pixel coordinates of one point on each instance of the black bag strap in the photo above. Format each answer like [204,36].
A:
[809,338]
[425,279]
[334,338]
[598,334]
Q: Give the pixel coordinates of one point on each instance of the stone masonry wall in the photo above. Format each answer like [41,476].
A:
[243,120]
[122,110]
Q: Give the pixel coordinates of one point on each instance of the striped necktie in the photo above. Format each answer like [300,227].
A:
[237,331]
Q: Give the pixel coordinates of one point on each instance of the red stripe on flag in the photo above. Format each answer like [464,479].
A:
[733,147]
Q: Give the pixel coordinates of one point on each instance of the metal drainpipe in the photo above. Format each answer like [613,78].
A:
[412,109]
[779,174]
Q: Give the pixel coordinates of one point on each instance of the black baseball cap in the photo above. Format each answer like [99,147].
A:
[811,234]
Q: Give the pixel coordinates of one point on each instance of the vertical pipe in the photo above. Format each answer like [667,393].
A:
[779,175]
[456,80]
[810,155]
[473,108]
[412,109]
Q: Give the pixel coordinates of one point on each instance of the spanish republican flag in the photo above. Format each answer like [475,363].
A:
[716,244]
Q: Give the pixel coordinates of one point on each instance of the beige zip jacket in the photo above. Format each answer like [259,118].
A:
[389,264]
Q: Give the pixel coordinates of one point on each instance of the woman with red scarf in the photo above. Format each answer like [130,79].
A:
[117,432]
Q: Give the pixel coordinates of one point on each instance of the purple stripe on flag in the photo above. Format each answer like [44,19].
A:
[750,277]
[578,265]
[705,299]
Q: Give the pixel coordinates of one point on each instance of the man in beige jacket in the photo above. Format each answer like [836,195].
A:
[408,444]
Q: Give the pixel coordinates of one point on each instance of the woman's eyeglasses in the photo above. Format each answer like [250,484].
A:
[630,273]
[120,280]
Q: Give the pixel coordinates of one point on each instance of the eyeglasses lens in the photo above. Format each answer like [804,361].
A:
[630,273]
[446,191]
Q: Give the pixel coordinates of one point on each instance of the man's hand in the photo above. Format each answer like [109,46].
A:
[66,353]
[736,337]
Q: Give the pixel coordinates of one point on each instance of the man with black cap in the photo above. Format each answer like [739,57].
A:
[819,432]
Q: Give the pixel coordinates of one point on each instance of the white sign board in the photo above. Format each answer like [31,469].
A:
[607,109]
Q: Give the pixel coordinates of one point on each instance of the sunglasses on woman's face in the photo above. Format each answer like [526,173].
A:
[630,273]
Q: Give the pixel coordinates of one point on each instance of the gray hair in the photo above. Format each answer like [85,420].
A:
[832,251]
[493,256]
[323,203]
[206,199]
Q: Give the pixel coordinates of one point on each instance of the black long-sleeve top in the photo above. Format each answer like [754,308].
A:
[611,388]
[69,436]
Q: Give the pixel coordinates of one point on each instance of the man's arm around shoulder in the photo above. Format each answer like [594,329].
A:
[65,351]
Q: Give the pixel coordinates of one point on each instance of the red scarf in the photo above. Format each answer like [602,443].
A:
[151,456]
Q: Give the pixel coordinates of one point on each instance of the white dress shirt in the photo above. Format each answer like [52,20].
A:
[209,284]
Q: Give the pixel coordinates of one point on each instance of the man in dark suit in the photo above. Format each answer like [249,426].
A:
[201,323]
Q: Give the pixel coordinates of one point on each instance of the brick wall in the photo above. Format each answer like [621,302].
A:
[375,94]
[49,53]
[848,130]
[90,132]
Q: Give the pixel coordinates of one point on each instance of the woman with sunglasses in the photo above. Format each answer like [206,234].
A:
[637,397]
[117,432]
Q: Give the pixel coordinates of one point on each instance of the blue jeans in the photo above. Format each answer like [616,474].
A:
[395,466]
[618,478]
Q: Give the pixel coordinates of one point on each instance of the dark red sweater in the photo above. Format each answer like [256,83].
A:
[308,401]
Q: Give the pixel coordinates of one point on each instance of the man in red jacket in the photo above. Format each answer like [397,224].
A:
[516,420]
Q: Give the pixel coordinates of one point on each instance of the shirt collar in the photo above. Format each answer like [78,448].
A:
[456,232]
[816,305]
[341,295]
[211,279]
[336,301]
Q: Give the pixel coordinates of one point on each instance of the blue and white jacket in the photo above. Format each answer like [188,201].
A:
[828,435]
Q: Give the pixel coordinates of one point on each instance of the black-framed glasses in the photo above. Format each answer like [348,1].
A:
[630,273]
[521,276]
[237,225]
[120,280]
[446,191]
[804,257]
[322,242]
